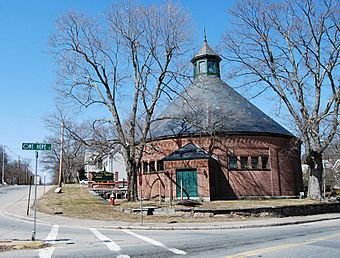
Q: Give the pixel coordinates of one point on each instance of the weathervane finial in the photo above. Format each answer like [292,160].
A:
[205,36]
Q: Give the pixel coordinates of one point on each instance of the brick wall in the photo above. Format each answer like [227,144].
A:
[215,179]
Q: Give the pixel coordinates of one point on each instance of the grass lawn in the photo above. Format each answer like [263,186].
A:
[76,202]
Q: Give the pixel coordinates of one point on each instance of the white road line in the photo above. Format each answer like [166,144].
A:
[110,244]
[51,237]
[155,243]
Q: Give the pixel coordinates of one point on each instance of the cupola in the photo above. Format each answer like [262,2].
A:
[206,61]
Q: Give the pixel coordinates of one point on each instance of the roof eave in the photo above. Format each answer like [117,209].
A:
[235,133]
[195,58]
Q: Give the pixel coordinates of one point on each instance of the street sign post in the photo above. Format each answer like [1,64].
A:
[36,147]
[141,197]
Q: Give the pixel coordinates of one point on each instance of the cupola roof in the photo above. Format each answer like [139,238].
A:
[205,51]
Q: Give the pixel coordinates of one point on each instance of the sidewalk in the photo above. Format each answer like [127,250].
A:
[19,208]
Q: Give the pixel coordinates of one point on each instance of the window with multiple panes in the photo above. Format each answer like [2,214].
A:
[145,167]
[202,67]
[265,162]
[195,70]
[246,163]
[160,165]
[254,162]
[232,162]
[152,166]
[212,67]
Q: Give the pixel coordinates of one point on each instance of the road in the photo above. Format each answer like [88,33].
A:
[319,239]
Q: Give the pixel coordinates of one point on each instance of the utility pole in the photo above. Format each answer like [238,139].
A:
[3,164]
[44,182]
[26,175]
[61,153]
[19,174]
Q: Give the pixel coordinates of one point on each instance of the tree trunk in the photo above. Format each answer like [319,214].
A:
[314,161]
[132,180]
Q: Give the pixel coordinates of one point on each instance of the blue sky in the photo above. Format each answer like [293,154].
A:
[28,71]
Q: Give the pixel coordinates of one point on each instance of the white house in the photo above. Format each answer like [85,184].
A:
[113,162]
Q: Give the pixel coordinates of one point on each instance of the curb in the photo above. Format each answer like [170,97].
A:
[25,218]
[275,224]
[201,227]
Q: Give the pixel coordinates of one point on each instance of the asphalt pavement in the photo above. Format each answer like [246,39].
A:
[18,209]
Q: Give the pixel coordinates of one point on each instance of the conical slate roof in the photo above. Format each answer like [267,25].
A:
[210,106]
[205,51]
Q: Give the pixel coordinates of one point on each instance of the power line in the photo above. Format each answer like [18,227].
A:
[14,153]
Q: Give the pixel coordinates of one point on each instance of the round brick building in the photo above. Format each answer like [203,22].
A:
[211,143]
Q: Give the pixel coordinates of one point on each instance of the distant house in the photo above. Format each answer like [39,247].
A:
[211,143]
[114,162]
[331,174]
[92,163]
[336,169]
[107,171]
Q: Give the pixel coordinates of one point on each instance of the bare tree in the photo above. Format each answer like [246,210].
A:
[292,48]
[124,64]
[77,137]
[3,162]
[73,159]
[332,152]
[16,171]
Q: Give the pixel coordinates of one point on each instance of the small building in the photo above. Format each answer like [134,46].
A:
[106,171]
[211,143]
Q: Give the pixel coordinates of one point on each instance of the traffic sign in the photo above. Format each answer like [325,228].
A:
[37,146]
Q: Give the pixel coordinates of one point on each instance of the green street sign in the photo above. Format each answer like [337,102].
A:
[37,146]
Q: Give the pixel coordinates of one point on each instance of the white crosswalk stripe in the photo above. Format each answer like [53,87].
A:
[51,237]
[109,243]
[155,243]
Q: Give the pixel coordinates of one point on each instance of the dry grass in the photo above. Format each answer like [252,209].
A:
[76,202]
[20,245]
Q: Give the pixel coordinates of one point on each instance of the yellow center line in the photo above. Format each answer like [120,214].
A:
[283,246]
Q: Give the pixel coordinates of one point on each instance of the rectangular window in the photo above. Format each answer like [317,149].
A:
[152,166]
[254,162]
[265,162]
[160,165]
[244,162]
[232,162]
[145,167]
[212,67]
[202,67]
